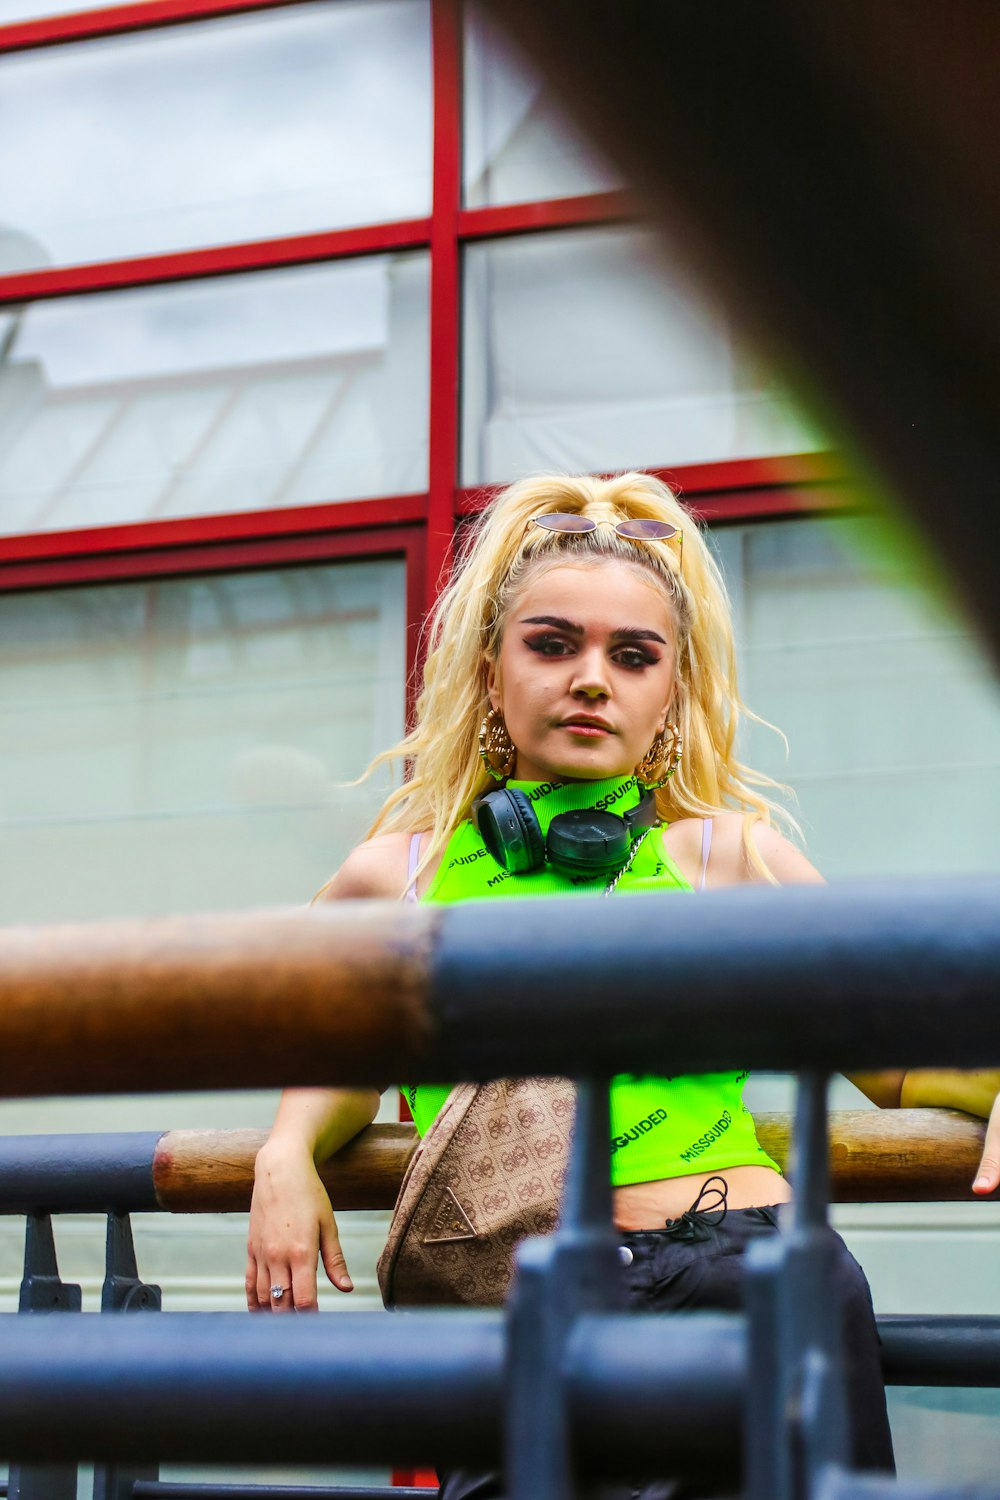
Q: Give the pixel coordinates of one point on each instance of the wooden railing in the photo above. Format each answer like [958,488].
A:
[887,1156]
[897,1155]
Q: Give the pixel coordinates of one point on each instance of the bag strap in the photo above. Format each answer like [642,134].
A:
[419,1174]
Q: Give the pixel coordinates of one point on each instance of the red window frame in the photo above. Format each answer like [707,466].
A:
[420,526]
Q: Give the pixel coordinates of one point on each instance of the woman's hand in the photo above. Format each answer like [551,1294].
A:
[291,1221]
[988,1173]
[291,1226]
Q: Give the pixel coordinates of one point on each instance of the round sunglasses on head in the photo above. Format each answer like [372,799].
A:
[635,528]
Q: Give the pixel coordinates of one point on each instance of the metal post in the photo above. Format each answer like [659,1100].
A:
[575,1270]
[796,1410]
[123,1292]
[43,1291]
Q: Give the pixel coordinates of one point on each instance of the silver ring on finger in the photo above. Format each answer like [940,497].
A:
[277,1292]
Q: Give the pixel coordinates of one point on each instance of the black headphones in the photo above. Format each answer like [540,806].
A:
[585,841]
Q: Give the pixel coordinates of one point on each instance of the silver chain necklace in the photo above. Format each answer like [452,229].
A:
[627,865]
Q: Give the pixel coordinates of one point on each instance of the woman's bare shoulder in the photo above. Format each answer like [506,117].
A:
[376,870]
[785,860]
[728,863]
[682,841]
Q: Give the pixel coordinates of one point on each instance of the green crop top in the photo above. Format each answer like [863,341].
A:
[660,1126]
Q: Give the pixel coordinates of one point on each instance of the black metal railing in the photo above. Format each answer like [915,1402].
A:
[561,1384]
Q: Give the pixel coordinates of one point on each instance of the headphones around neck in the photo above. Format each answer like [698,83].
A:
[584,842]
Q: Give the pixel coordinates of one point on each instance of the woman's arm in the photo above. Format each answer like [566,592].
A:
[977,1091]
[291,1222]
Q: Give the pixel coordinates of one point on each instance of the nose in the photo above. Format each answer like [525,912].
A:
[591,678]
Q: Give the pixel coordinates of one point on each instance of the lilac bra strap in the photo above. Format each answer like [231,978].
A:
[706,849]
[411,868]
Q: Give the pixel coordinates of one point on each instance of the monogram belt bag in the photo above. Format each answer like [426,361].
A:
[489,1172]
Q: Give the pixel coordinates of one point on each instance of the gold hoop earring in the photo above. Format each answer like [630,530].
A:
[662,758]
[496,748]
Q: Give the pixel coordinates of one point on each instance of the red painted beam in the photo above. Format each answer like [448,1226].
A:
[446,21]
[305,249]
[738,489]
[555,213]
[746,473]
[113,20]
[219,260]
[772,504]
[201,531]
[220,557]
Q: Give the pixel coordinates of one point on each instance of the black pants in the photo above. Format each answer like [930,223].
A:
[669,1272]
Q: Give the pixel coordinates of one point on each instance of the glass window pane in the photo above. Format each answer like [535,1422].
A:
[30,10]
[248,392]
[306,118]
[519,145]
[883,694]
[586,350]
[184,745]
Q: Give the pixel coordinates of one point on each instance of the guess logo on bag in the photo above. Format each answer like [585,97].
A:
[450,1222]
[474,1190]
[549,1145]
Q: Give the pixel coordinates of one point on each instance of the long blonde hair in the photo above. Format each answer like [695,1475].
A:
[441,752]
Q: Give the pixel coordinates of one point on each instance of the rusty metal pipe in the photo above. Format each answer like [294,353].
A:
[866,976]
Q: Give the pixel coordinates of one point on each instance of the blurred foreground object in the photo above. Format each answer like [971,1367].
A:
[834,173]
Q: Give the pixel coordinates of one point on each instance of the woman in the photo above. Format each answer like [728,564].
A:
[581,668]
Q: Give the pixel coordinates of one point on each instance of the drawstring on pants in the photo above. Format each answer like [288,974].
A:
[695,1222]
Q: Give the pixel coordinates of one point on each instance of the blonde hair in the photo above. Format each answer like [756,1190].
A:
[441,752]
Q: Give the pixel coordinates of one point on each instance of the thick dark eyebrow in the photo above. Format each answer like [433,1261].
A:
[629,633]
[626,633]
[555,620]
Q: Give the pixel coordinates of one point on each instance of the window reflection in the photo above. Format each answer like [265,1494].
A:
[185,745]
[861,670]
[587,350]
[518,143]
[258,391]
[311,117]
[31,10]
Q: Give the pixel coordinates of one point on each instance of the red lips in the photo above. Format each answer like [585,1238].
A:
[587,721]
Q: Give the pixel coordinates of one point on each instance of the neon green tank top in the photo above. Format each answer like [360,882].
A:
[660,1126]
